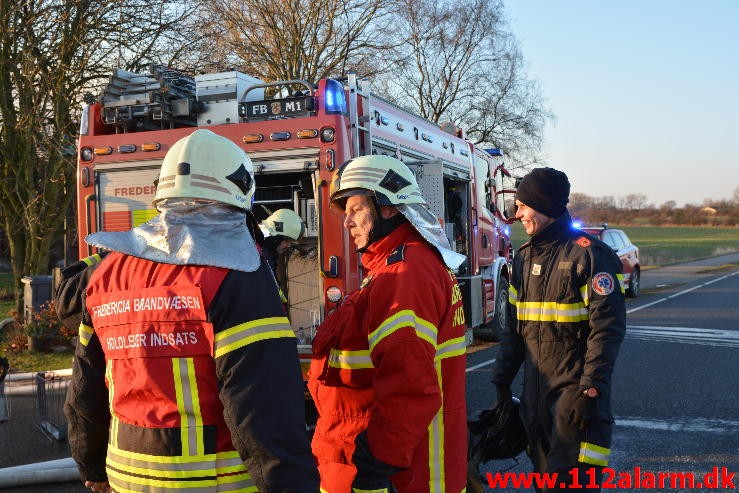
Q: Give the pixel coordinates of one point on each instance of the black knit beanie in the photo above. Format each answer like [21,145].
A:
[545,190]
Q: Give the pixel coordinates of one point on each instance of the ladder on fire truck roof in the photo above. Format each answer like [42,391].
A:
[360,128]
[163,98]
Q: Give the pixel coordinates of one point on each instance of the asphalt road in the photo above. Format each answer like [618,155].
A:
[675,397]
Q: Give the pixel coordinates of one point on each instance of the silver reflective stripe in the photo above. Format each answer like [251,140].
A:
[512,295]
[401,319]
[453,347]
[350,359]
[593,454]
[249,332]
[85,334]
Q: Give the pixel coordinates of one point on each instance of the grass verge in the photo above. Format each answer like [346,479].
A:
[667,245]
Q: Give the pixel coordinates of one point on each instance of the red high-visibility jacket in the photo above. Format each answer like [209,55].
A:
[185,377]
[391,360]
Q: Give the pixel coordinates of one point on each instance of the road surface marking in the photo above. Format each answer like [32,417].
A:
[480,365]
[681,293]
[684,335]
[699,425]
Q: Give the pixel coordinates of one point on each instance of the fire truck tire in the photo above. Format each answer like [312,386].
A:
[493,330]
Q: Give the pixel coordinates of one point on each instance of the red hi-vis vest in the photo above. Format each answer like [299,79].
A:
[167,430]
[391,360]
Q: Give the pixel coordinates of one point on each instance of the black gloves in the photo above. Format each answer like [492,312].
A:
[504,393]
[584,410]
[372,473]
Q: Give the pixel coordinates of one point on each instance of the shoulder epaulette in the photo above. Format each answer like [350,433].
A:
[396,256]
[583,241]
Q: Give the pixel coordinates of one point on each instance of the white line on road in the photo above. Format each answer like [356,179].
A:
[480,365]
[684,335]
[700,425]
[681,293]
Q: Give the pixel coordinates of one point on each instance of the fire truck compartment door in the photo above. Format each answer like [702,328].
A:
[125,196]
[430,178]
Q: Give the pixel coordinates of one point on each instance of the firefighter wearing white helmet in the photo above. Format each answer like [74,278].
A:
[391,183]
[209,167]
[284,222]
[281,230]
[389,361]
[190,289]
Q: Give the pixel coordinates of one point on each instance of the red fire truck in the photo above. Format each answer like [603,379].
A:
[297,134]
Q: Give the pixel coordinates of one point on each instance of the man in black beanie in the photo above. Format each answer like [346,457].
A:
[567,318]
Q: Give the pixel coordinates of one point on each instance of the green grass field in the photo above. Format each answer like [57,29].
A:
[667,245]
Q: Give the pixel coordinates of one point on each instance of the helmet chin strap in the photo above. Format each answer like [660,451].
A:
[382,227]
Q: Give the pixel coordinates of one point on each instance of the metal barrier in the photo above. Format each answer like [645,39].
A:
[50,391]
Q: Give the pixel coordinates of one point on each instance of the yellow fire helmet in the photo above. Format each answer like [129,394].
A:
[391,181]
[205,165]
[285,222]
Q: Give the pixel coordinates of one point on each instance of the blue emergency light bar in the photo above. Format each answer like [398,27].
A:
[335,97]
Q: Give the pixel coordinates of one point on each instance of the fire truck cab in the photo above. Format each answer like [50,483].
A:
[297,134]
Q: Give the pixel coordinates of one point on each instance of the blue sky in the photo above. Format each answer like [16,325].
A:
[645,93]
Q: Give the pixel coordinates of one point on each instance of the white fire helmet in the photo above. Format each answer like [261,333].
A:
[391,181]
[284,222]
[207,166]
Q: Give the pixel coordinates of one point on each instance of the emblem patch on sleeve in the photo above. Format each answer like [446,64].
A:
[603,283]
[583,242]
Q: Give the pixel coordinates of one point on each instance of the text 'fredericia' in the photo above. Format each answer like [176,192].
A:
[143,304]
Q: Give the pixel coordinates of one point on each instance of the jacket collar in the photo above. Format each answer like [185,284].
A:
[377,252]
[557,230]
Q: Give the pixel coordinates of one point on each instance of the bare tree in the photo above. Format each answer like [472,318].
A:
[456,61]
[51,51]
[633,201]
[291,39]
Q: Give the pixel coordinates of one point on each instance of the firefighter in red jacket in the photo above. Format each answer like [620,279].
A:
[388,374]
[186,375]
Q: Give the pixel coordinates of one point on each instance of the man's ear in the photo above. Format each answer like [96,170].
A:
[388,211]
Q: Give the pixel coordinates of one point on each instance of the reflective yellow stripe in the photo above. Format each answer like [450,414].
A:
[92,259]
[593,454]
[196,466]
[436,443]
[225,458]
[85,333]
[130,471]
[512,295]
[621,282]
[584,295]
[250,332]
[352,360]
[404,318]
[188,405]
[113,438]
[451,348]
[549,311]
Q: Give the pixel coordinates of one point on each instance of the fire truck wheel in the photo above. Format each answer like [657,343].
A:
[493,330]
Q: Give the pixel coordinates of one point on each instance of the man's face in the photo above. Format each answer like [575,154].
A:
[533,221]
[283,246]
[359,219]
